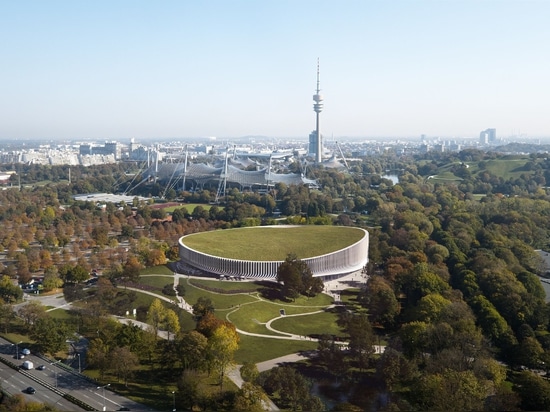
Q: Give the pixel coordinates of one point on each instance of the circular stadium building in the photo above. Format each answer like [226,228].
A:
[257,252]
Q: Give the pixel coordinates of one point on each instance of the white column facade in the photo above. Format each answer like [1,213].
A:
[341,262]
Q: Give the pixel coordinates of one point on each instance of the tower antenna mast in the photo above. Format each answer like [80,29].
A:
[318,108]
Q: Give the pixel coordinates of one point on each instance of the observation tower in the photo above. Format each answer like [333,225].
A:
[318,108]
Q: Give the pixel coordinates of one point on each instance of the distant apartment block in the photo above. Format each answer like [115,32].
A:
[488,136]
[110,148]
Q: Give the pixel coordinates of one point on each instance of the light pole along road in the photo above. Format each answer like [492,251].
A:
[55,370]
[103,387]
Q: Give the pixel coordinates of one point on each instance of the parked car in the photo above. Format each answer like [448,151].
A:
[30,390]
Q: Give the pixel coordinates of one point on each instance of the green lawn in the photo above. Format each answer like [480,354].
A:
[157,270]
[254,349]
[227,285]
[220,301]
[316,324]
[274,243]
[156,281]
[189,206]
[61,314]
[505,168]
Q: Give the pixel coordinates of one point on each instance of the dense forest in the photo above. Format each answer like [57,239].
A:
[453,269]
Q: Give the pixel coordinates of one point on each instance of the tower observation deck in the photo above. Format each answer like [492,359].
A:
[318,108]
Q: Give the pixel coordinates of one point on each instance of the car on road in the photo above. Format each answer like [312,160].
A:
[26,352]
[30,390]
[41,367]
[19,356]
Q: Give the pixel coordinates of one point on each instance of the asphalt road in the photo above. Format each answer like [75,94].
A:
[15,382]
[56,380]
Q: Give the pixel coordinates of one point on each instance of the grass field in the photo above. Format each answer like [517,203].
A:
[505,168]
[274,243]
[318,323]
[189,206]
[157,270]
[157,282]
[227,285]
[255,349]
[221,301]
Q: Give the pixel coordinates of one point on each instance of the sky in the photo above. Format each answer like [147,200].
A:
[229,68]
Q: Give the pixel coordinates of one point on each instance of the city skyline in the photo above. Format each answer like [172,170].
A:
[113,70]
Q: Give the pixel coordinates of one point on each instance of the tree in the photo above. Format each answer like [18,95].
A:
[74,274]
[222,346]
[51,279]
[131,268]
[297,278]
[73,292]
[106,292]
[171,322]
[7,315]
[393,367]
[97,356]
[32,311]
[9,292]
[50,335]
[101,235]
[156,315]
[429,307]
[362,339]
[249,372]
[292,387]
[124,362]
[413,338]
[493,324]
[193,347]
[529,352]
[451,391]
[534,392]
[18,403]
[188,390]
[250,398]
[332,356]
[202,307]
[380,300]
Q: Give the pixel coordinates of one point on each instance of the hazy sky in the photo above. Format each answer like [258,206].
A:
[228,68]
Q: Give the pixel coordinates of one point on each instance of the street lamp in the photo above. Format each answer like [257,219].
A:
[16,348]
[79,368]
[55,370]
[103,387]
[174,398]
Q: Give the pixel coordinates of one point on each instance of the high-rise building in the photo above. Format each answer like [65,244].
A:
[488,136]
[483,138]
[312,148]
[315,138]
